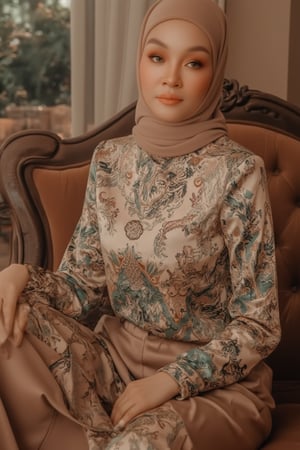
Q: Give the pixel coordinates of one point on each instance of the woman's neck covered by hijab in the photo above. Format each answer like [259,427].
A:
[169,139]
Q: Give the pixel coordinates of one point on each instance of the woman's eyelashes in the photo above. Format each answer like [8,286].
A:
[156,58]
[192,64]
[195,64]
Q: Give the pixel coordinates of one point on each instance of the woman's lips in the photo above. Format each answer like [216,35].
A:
[169,99]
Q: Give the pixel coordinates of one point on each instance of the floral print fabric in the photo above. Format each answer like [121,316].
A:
[84,370]
[181,247]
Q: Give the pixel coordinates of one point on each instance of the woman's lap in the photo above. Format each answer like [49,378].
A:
[91,374]
[237,416]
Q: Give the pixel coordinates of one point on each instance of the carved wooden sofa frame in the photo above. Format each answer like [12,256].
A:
[43,178]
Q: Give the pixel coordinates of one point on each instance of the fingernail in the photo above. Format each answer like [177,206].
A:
[120,426]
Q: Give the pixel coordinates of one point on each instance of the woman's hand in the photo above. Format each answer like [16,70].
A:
[13,316]
[143,395]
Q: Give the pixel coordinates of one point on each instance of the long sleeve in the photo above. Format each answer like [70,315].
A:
[182,248]
[253,330]
[78,288]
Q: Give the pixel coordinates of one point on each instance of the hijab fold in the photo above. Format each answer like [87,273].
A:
[166,139]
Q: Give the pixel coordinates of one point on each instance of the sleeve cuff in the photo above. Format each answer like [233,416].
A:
[187,387]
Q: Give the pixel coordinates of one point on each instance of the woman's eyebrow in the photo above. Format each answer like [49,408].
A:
[157,42]
[196,48]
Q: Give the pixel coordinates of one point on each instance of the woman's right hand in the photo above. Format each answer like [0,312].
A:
[13,315]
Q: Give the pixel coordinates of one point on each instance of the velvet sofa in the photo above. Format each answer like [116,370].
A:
[43,180]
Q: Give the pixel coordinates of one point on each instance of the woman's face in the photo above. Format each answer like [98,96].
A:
[175,70]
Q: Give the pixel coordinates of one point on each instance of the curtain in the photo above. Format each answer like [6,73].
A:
[104,35]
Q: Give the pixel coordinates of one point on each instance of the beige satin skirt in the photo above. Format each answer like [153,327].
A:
[57,390]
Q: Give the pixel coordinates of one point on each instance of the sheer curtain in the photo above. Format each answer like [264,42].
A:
[104,35]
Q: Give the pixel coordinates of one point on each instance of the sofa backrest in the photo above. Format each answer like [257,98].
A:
[43,181]
[281,155]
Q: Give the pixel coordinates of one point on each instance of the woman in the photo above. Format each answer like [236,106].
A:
[173,259]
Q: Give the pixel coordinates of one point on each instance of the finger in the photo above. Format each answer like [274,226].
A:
[132,412]
[3,331]
[123,415]
[9,309]
[20,324]
[120,425]
[121,406]
[3,334]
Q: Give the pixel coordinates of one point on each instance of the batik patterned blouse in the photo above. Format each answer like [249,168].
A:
[182,247]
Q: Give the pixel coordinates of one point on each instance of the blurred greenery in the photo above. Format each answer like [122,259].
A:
[34,53]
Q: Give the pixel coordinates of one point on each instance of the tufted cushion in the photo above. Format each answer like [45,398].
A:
[281,154]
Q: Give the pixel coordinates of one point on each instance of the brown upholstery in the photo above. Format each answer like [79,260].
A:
[43,181]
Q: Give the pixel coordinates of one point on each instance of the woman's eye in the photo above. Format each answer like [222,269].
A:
[156,58]
[195,64]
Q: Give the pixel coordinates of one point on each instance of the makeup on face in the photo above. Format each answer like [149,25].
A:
[175,70]
[180,80]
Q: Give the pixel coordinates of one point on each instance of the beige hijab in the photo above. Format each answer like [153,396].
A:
[166,139]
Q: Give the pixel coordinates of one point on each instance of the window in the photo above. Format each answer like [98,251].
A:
[34,65]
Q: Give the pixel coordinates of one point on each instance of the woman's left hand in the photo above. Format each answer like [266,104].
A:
[143,395]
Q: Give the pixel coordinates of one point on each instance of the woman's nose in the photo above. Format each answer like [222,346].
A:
[172,78]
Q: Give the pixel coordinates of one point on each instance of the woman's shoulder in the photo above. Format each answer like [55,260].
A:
[227,148]
[116,143]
